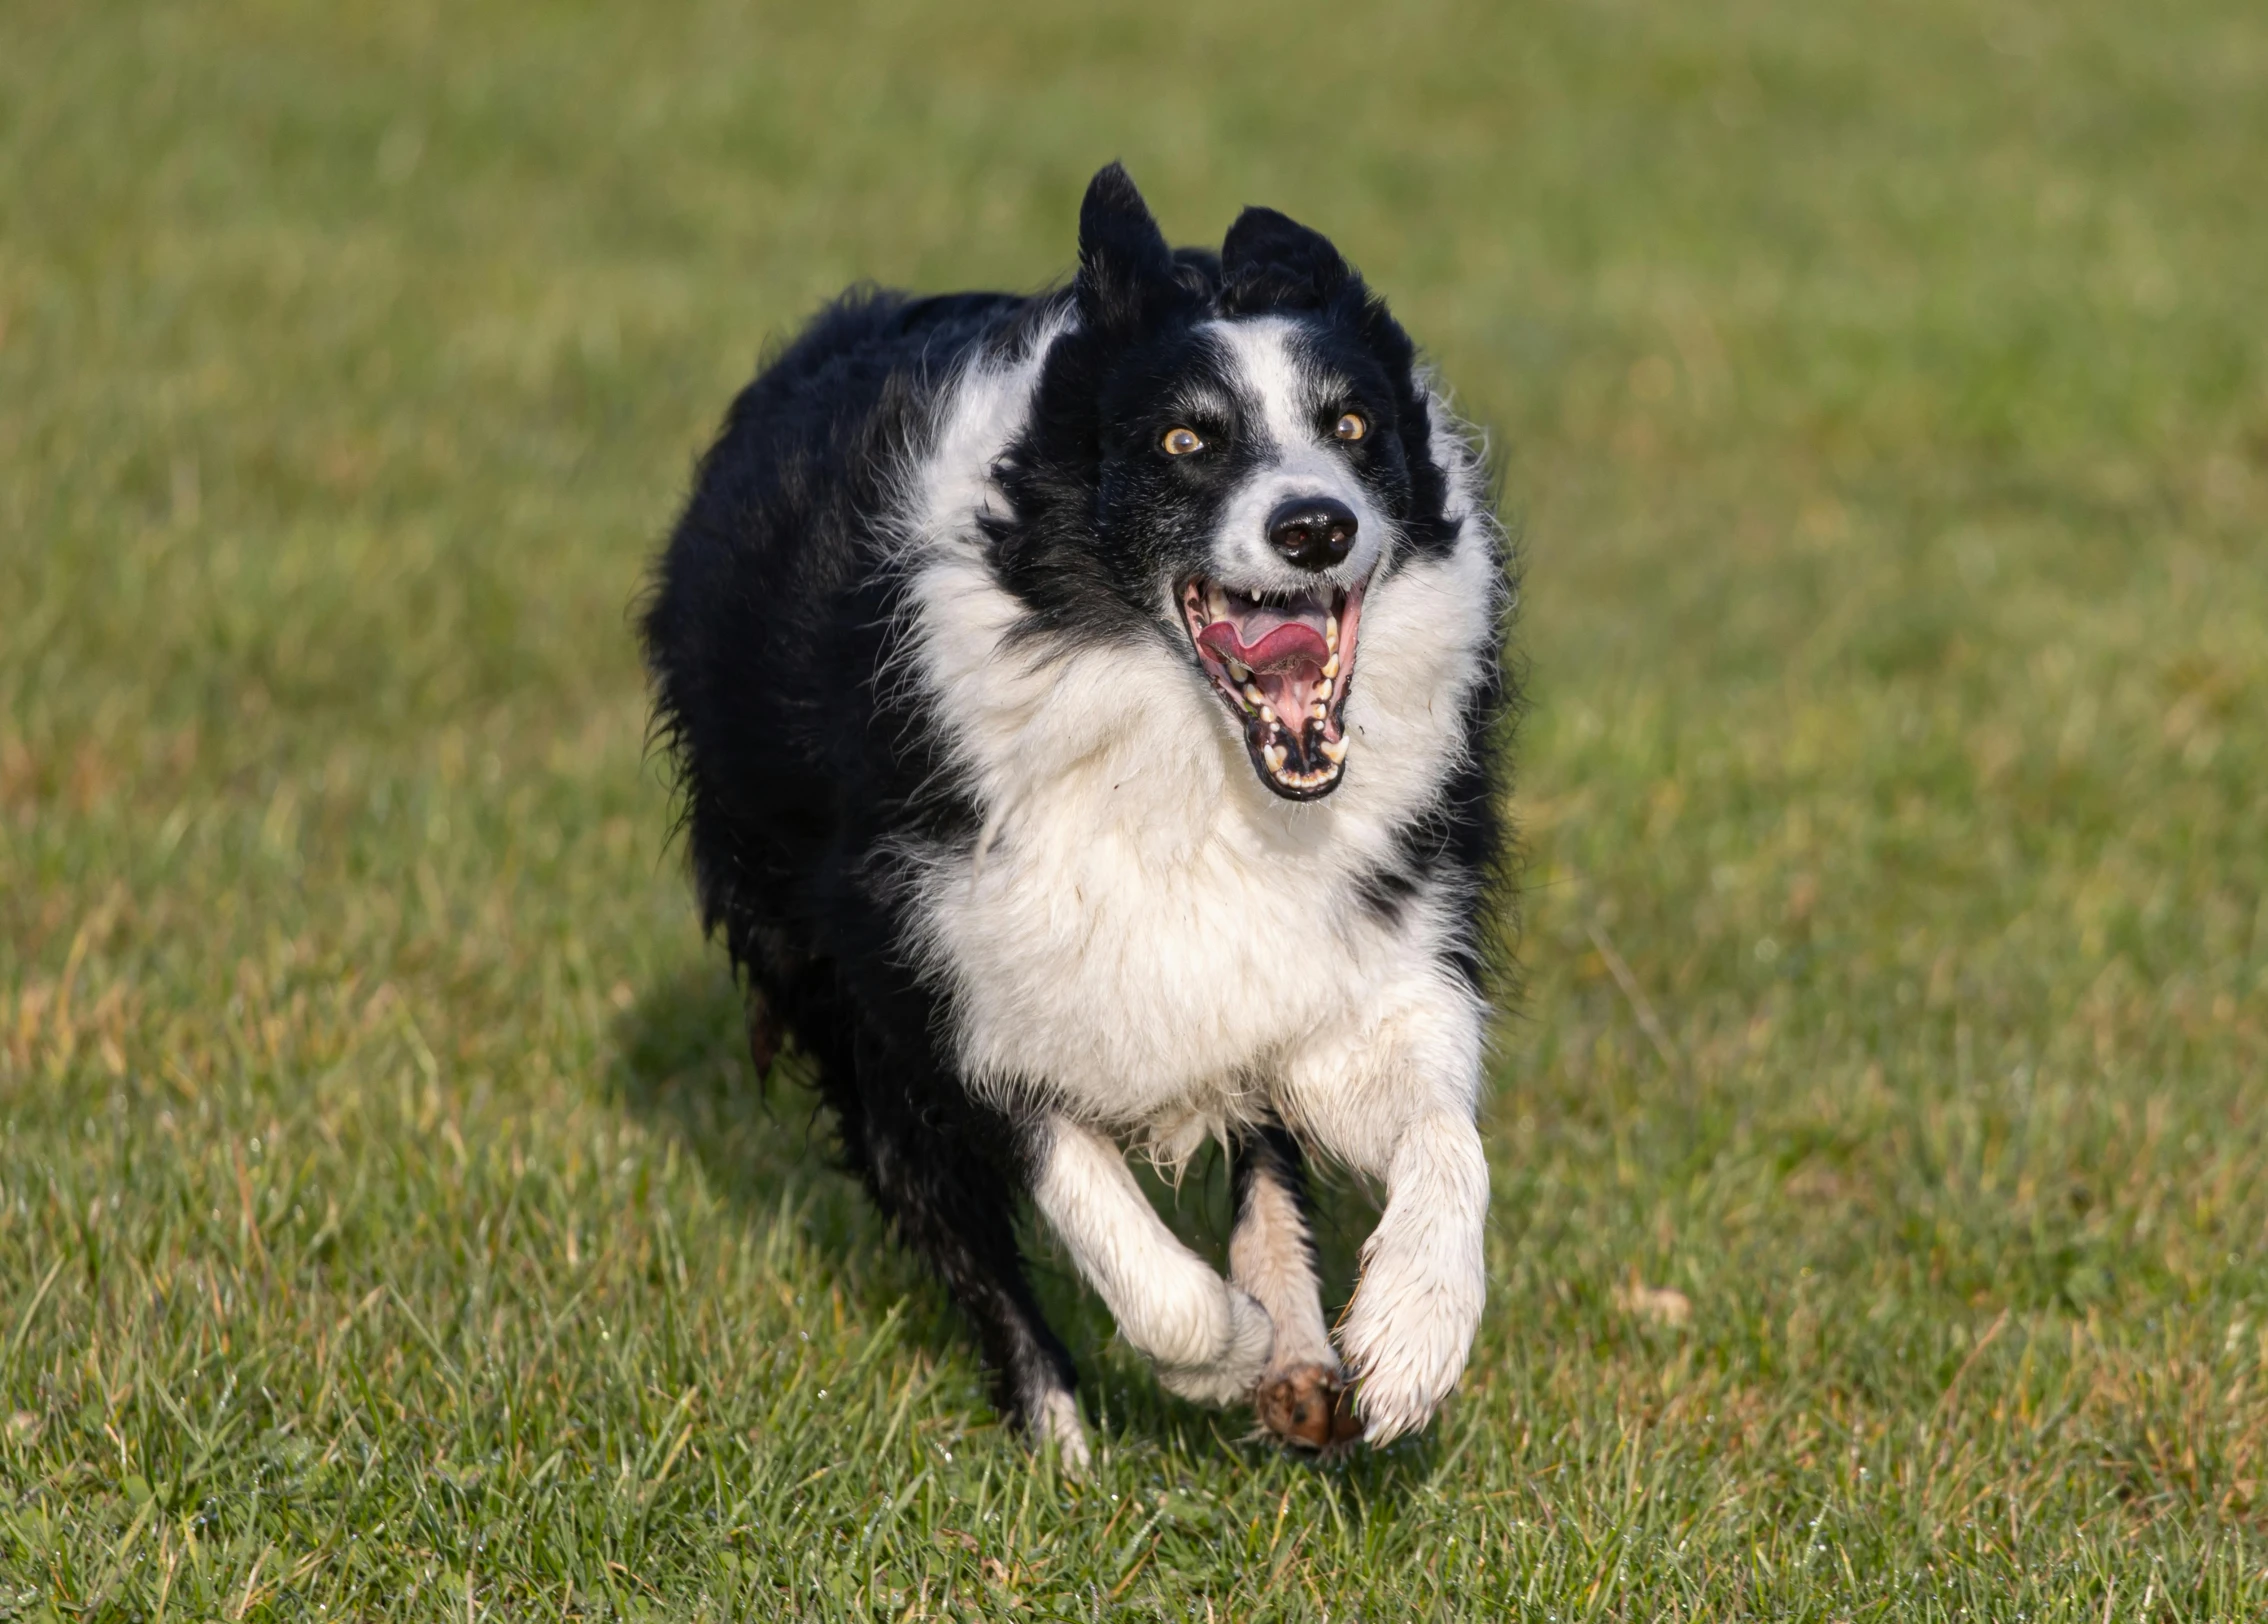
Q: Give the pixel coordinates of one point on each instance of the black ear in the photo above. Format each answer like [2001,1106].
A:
[1271,261]
[1123,259]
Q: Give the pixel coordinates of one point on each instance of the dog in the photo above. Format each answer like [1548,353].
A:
[1081,710]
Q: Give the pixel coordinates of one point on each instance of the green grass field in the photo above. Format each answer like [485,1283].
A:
[389,1226]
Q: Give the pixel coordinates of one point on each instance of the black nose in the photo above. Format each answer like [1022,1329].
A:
[1314,532]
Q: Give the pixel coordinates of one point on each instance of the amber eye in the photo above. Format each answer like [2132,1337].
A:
[1179,442]
[1353,426]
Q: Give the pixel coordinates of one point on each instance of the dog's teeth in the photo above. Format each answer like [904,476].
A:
[1334,751]
[1268,714]
[1253,693]
[1330,669]
[1275,755]
[1331,630]
[1216,601]
[1242,673]
[1323,688]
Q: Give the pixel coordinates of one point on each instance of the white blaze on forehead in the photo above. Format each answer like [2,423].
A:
[1263,358]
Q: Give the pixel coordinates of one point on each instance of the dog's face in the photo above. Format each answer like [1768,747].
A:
[1234,451]
[1252,481]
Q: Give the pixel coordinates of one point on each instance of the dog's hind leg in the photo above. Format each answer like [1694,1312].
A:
[1208,1339]
[931,1160]
[1303,1397]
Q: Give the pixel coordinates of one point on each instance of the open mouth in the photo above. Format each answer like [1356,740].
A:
[1282,663]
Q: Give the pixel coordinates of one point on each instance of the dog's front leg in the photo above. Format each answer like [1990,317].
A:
[1424,1278]
[1395,1096]
[1208,1339]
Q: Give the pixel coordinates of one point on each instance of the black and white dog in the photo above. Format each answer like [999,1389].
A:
[1081,704]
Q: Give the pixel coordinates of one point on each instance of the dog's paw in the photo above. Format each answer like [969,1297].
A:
[1229,1374]
[1400,1387]
[1307,1407]
[1405,1339]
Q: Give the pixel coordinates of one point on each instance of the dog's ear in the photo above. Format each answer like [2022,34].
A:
[1272,262]
[1124,263]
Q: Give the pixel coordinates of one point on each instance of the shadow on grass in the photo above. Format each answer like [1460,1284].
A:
[768,1148]
[762,1142]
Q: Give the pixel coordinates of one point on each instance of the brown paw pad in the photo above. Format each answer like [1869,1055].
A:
[1308,1407]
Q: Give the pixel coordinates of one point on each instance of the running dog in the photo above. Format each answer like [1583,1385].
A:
[1081,706]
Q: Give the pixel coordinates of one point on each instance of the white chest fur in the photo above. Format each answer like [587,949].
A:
[1144,931]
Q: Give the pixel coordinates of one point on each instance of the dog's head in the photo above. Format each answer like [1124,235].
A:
[1229,451]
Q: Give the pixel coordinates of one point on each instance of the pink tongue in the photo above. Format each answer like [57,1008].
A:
[1295,643]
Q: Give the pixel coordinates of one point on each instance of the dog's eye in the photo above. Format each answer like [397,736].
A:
[1179,442]
[1352,426]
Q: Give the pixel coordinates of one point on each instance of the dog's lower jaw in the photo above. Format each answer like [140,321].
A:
[1424,1279]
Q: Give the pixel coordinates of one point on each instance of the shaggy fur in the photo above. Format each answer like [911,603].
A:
[1081,705]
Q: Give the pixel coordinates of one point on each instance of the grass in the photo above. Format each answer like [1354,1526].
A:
[388,1225]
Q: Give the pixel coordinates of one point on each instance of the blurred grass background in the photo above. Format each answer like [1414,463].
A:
[388,1226]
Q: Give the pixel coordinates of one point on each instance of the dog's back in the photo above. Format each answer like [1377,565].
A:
[771,612]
